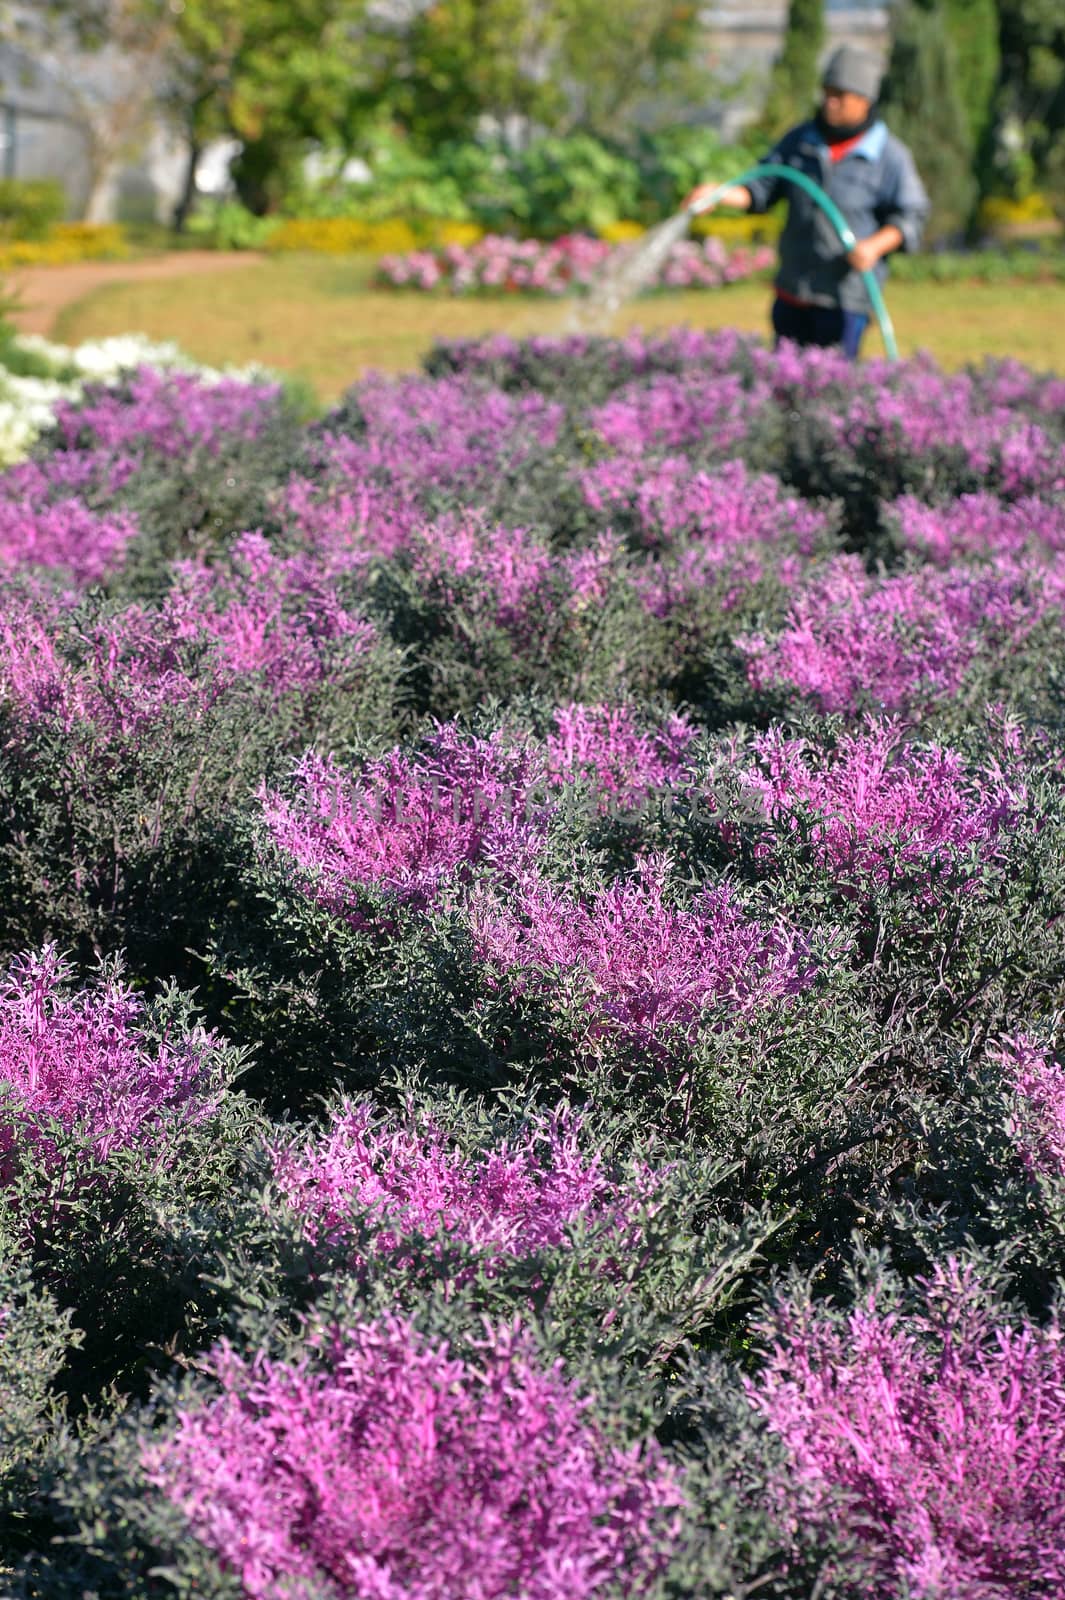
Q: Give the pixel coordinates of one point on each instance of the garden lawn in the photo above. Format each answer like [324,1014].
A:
[317,318]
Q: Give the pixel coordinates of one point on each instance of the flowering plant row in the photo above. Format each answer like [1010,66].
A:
[530,982]
[498,264]
[28,404]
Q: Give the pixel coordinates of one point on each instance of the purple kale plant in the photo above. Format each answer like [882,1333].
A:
[635,964]
[932,1442]
[343,516]
[87,1062]
[436,438]
[167,413]
[500,577]
[408,827]
[623,763]
[730,507]
[278,619]
[981,525]
[898,643]
[512,1197]
[876,805]
[1034,1076]
[384,1463]
[674,413]
[56,514]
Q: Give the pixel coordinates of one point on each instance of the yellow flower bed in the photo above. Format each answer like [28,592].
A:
[344,235]
[67,242]
[622,232]
[1032,217]
[734,230]
[739,229]
[996,211]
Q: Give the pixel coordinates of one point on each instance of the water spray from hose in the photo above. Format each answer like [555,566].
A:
[634,271]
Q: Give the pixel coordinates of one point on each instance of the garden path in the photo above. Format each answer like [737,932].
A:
[46,291]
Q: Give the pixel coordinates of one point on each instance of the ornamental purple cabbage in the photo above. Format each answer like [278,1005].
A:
[48,518]
[677,584]
[899,642]
[671,413]
[166,412]
[639,966]
[272,616]
[878,803]
[605,746]
[1036,1080]
[409,826]
[118,675]
[930,412]
[346,521]
[86,1060]
[508,577]
[933,1442]
[511,1198]
[384,1465]
[980,525]
[726,508]
[86,544]
[450,433]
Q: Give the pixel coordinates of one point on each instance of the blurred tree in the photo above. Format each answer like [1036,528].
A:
[456,62]
[279,75]
[114,103]
[283,76]
[973,27]
[540,66]
[276,74]
[793,83]
[630,57]
[922,103]
[1030,149]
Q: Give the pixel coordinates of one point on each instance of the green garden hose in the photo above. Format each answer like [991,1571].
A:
[773,169]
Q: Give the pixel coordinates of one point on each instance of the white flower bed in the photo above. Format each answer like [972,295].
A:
[28,405]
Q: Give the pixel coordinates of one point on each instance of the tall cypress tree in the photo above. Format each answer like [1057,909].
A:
[922,103]
[794,79]
[974,26]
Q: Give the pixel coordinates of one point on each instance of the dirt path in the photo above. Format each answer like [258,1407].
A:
[46,291]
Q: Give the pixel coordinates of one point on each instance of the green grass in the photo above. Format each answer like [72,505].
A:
[316,318]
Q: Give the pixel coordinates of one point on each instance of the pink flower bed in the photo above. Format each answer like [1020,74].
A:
[501,265]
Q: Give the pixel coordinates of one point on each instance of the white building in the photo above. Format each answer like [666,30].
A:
[40,133]
[45,106]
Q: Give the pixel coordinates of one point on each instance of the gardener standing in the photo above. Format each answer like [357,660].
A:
[820,296]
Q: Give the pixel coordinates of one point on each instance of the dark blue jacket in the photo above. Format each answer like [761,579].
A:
[874,184]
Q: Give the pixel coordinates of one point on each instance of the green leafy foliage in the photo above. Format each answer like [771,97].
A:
[28,208]
[923,104]
[793,83]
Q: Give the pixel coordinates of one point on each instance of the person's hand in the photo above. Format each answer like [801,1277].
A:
[865,255]
[736,198]
[701,198]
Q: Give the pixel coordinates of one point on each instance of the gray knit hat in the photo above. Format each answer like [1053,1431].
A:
[849,68]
